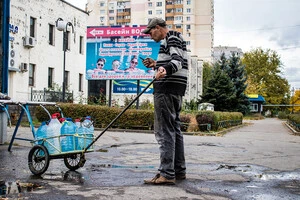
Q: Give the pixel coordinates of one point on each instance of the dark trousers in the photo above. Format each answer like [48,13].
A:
[168,134]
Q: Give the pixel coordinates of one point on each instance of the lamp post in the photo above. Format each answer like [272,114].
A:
[61,25]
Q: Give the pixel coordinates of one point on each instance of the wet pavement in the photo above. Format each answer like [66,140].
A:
[259,161]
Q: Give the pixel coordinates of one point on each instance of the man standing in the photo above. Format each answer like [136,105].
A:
[169,86]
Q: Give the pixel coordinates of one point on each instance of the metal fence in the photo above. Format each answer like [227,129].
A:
[50,96]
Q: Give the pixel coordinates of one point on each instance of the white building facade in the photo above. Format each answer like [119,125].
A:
[36,55]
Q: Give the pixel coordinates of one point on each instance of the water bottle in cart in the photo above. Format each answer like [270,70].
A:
[41,133]
[88,128]
[53,131]
[68,141]
[80,132]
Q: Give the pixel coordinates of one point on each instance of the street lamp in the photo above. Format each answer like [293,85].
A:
[61,25]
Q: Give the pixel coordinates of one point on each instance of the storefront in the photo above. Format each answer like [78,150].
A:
[4,40]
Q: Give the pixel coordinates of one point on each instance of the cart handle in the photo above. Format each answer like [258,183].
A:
[119,115]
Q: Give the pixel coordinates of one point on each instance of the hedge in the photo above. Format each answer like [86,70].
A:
[142,119]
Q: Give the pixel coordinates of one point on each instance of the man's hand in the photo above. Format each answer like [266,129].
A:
[161,72]
[149,63]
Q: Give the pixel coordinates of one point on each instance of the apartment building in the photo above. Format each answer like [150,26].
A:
[219,50]
[193,18]
[37,56]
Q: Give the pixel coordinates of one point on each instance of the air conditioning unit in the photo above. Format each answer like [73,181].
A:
[29,41]
[23,67]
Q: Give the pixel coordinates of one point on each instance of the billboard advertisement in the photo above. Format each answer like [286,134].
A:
[115,53]
[130,86]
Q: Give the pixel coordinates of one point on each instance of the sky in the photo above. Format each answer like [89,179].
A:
[249,24]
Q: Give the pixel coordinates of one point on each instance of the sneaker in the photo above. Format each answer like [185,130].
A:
[160,180]
[180,176]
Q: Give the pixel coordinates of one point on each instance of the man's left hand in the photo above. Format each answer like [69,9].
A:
[161,72]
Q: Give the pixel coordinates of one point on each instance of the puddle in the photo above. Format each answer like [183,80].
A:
[13,189]
[281,176]
[122,166]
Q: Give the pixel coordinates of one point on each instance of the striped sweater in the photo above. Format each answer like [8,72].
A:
[173,57]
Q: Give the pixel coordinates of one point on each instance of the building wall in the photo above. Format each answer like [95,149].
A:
[43,55]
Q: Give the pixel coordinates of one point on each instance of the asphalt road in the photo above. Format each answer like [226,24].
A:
[258,161]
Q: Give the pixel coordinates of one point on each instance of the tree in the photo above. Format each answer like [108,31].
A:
[238,76]
[295,100]
[207,73]
[220,90]
[263,69]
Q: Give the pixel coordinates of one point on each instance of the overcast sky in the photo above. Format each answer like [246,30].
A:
[248,24]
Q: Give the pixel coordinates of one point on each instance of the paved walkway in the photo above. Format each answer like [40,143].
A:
[258,161]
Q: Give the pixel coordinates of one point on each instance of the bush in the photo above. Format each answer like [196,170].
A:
[218,120]
[282,115]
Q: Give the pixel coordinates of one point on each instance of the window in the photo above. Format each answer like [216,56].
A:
[188,27]
[81,44]
[179,10]
[158,12]
[50,77]
[178,26]
[188,10]
[188,18]
[32,26]
[111,11]
[102,4]
[31,74]
[188,2]
[169,18]
[188,43]
[67,79]
[51,34]
[254,107]
[178,1]
[102,12]
[178,18]
[150,4]
[158,4]
[111,18]
[149,12]
[80,82]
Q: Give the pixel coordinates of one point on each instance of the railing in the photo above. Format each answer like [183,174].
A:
[50,96]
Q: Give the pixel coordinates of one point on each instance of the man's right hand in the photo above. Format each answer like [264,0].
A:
[149,63]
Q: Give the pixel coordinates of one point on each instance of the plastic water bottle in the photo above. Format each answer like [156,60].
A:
[80,132]
[53,131]
[88,130]
[68,142]
[41,133]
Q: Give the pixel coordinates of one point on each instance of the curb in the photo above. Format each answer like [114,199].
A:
[292,129]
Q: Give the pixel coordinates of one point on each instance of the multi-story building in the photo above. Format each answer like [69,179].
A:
[193,18]
[219,50]
[37,56]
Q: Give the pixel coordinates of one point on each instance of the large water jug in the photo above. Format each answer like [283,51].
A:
[53,132]
[68,141]
[41,133]
[88,130]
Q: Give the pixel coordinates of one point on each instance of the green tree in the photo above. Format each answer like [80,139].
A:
[220,90]
[207,73]
[263,69]
[238,76]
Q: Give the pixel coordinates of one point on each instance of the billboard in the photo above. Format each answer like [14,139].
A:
[114,52]
[130,86]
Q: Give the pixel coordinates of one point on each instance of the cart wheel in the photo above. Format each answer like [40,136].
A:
[38,159]
[74,161]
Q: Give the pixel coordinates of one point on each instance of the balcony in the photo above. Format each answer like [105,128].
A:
[123,14]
